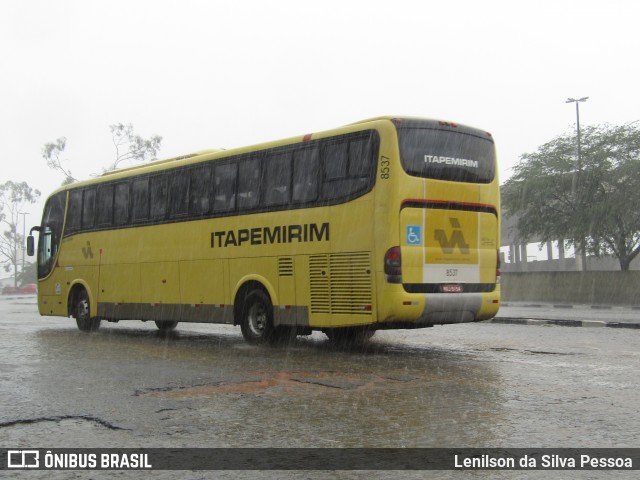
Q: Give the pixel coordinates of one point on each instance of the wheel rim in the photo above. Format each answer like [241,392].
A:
[257,319]
[82,310]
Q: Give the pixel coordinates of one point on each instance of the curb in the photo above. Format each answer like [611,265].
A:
[563,323]
[569,306]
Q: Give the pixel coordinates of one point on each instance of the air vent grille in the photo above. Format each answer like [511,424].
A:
[341,283]
[285,266]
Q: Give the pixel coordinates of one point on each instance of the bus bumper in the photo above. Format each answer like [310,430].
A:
[423,310]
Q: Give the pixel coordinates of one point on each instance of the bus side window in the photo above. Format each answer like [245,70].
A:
[225,187]
[335,159]
[140,210]
[348,167]
[277,179]
[360,163]
[179,193]
[360,158]
[75,211]
[104,205]
[248,184]
[121,204]
[306,175]
[88,208]
[158,196]
[199,189]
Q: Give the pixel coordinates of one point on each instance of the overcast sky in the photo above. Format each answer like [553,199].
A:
[207,74]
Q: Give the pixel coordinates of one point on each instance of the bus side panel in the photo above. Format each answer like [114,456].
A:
[161,283]
[78,263]
[202,282]
[119,283]
[204,293]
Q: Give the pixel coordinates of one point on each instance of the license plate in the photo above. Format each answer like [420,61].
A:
[451,288]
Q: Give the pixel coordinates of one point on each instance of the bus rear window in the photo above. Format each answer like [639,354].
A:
[447,155]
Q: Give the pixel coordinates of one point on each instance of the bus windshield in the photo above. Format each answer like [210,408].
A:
[458,156]
[50,233]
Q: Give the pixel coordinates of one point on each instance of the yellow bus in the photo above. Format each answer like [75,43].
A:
[382,224]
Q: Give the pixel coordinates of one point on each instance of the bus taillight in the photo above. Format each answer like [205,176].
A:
[498,268]
[393,265]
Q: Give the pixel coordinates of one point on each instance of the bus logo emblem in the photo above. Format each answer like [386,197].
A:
[448,245]
[87,253]
[414,235]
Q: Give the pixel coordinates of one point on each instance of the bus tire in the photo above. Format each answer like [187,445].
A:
[349,336]
[166,326]
[82,313]
[256,318]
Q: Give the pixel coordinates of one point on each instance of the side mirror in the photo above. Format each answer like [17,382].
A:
[31,242]
[30,245]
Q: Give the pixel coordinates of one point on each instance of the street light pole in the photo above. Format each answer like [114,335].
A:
[24,233]
[577,102]
[582,265]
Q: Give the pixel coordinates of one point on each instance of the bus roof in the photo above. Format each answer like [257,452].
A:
[212,154]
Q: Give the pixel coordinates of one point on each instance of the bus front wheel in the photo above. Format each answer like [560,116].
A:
[82,313]
[256,318]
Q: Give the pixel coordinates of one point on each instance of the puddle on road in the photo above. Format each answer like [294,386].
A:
[279,380]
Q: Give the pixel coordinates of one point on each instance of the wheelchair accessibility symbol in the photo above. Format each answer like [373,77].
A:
[414,235]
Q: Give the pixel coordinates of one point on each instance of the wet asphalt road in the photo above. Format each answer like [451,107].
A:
[473,385]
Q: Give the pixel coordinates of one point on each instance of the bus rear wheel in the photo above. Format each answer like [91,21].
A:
[166,326]
[256,318]
[82,313]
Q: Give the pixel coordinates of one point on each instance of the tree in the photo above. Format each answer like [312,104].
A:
[29,274]
[128,147]
[51,153]
[14,197]
[594,203]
